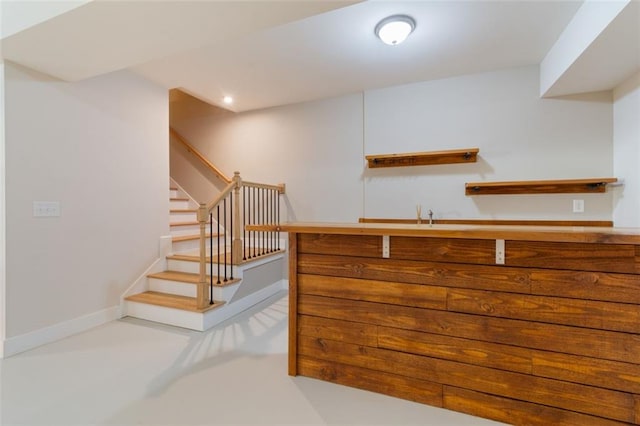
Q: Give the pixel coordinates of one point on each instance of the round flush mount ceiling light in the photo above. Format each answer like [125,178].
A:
[395,29]
[227,100]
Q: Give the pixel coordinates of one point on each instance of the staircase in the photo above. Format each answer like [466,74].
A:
[168,296]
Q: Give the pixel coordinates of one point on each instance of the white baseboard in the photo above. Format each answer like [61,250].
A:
[24,342]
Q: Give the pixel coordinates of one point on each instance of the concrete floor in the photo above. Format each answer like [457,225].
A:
[132,372]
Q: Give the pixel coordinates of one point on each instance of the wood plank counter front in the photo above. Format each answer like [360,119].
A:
[550,337]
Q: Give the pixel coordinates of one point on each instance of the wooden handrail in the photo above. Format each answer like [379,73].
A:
[190,148]
[280,188]
[225,192]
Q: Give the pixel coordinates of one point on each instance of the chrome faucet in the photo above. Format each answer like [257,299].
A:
[430,217]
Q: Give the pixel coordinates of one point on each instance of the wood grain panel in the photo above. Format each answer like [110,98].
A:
[603,286]
[343,331]
[574,284]
[376,291]
[414,272]
[556,310]
[469,351]
[553,337]
[342,245]
[554,393]
[443,250]
[293,304]
[615,346]
[363,378]
[598,372]
[574,256]
[516,412]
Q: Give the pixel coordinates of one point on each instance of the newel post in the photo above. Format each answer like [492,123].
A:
[202,298]
[236,244]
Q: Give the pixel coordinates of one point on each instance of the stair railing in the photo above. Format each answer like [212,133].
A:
[241,203]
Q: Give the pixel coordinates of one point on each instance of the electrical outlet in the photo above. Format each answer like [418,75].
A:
[46,209]
[386,251]
[500,253]
[578,206]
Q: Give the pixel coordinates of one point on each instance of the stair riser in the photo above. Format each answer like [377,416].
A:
[172,287]
[178,204]
[186,230]
[175,217]
[174,193]
[185,289]
[185,246]
[194,267]
[163,315]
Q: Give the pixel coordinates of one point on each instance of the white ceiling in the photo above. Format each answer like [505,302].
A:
[266,53]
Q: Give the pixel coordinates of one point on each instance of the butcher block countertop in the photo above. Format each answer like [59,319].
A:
[578,234]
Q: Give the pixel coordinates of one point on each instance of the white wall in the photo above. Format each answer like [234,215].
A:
[520,136]
[318,148]
[315,148]
[626,140]
[100,148]
[2,213]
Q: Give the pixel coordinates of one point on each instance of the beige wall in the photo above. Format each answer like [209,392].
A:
[100,148]
[315,148]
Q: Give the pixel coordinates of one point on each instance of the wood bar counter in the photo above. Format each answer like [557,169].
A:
[524,325]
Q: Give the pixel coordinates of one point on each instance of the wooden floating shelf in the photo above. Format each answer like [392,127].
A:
[569,186]
[468,155]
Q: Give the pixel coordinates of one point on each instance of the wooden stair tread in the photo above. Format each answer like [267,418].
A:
[196,257]
[190,278]
[190,237]
[178,199]
[193,223]
[171,301]
[183,211]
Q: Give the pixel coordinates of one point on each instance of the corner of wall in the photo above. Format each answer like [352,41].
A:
[2,215]
[626,152]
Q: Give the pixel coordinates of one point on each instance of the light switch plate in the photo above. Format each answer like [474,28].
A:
[578,206]
[46,209]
